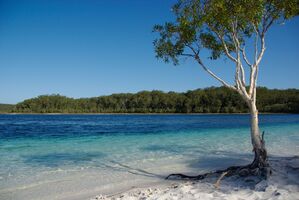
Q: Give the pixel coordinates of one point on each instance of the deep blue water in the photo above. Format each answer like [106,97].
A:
[50,126]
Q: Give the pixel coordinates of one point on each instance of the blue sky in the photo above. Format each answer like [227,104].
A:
[92,48]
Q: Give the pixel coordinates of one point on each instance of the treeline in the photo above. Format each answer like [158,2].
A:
[6,108]
[209,100]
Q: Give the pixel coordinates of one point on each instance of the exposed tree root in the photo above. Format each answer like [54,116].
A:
[242,171]
[230,171]
[259,167]
[217,184]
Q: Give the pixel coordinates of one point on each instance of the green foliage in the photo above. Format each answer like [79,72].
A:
[209,100]
[208,24]
[6,108]
[46,103]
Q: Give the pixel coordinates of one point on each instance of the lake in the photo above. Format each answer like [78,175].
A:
[78,156]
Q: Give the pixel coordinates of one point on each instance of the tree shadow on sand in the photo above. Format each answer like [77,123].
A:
[218,160]
[118,166]
[198,157]
[205,163]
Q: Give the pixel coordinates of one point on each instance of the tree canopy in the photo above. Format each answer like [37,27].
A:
[210,24]
[226,29]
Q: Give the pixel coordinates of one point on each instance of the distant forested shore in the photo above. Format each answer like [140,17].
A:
[208,100]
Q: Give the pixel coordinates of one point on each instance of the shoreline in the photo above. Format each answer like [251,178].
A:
[145,113]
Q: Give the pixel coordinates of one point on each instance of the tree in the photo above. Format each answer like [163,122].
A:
[227,29]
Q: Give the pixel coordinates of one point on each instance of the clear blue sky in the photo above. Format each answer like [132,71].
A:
[92,48]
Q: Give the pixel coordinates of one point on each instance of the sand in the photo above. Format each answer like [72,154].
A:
[283,184]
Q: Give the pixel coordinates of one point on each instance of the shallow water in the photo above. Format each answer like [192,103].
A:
[62,156]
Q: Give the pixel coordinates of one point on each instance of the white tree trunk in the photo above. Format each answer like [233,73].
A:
[255,132]
[260,153]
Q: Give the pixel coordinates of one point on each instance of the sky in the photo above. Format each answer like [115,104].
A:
[92,48]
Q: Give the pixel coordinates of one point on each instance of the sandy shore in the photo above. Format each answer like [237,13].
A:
[283,184]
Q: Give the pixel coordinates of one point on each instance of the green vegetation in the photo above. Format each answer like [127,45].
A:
[5,108]
[209,100]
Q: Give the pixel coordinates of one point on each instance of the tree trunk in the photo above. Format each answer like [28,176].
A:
[255,133]
[259,166]
[260,162]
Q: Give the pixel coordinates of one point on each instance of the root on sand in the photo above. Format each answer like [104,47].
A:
[259,167]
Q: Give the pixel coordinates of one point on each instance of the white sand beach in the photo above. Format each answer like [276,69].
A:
[283,184]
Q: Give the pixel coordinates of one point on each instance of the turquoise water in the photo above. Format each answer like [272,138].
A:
[98,150]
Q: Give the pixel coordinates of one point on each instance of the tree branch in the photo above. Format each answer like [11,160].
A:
[243,74]
[255,43]
[263,48]
[239,77]
[214,75]
[220,37]
[196,57]
[245,57]
[226,49]
[187,54]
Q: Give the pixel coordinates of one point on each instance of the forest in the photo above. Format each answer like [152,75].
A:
[4,108]
[208,100]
